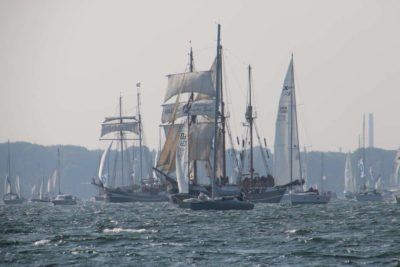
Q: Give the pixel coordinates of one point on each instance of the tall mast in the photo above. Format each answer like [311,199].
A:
[291,130]
[322,172]
[217,92]
[222,117]
[190,120]
[9,165]
[249,117]
[140,130]
[121,140]
[59,170]
[363,152]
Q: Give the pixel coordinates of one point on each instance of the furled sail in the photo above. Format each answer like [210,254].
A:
[182,160]
[349,185]
[204,107]
[190,82]
[107,128]
[286,134]
[102,163]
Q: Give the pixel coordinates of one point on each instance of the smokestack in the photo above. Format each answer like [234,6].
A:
[371,130]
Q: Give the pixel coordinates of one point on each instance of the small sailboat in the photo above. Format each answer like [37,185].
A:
[394,186]
[62,199]
[349,181]
[203,201]
[125,181]
[11,196]
[39,195]
[366,193]
[287,148]
[258,189]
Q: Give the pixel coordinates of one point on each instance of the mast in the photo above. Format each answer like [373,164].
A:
[322,172]
[9,165]
[291,131]
[140,130]
[222,118]
[249,117]
[58,170]
[191,66]
[217,92]
[121,140]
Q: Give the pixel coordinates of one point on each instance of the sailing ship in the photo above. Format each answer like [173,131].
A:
[61,198]
[287,163]
[366,192]
[124,180]
[350,187]
[197,139]
[257,189]
[11,195]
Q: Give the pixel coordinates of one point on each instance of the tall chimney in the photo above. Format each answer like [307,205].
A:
[371,130]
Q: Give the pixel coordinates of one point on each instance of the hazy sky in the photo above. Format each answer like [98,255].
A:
[63,64]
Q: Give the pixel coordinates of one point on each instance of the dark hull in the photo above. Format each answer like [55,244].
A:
[218,204]
[12,201]
[64,202]
[272,196]
[40,200]
[122,197]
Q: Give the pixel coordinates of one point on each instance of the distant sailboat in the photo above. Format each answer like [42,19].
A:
[287,148]
[349,179]
[39,195]
[395,177]
[125,180]
[61,199]
[11,196]
[366,193]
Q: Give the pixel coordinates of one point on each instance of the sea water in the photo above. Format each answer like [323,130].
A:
[341,233]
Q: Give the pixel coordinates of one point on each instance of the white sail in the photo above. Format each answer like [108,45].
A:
[54,181]
[102,163]
[34,190]
[7,185]
[107,128]
[200,107]
[182,161]
[395,179]
[286,135]
[17,186]
[190,82]
[349,185]
[41,190]
[49,184]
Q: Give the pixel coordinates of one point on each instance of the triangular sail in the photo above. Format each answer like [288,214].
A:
[17,186]
[41,190]
[7,185]
[395,179]
[101,176]
[349,183]
[182,160]
[286,134]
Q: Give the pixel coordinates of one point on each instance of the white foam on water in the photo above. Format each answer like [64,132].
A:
[122,230]
[41,242]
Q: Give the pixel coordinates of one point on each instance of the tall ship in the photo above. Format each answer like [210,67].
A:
[194,149]
[257,188]
[287,160]
[124,173]
[12,193]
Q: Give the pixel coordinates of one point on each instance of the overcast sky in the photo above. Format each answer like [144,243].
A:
[63,64]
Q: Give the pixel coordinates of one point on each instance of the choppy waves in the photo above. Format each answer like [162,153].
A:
[143,234]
